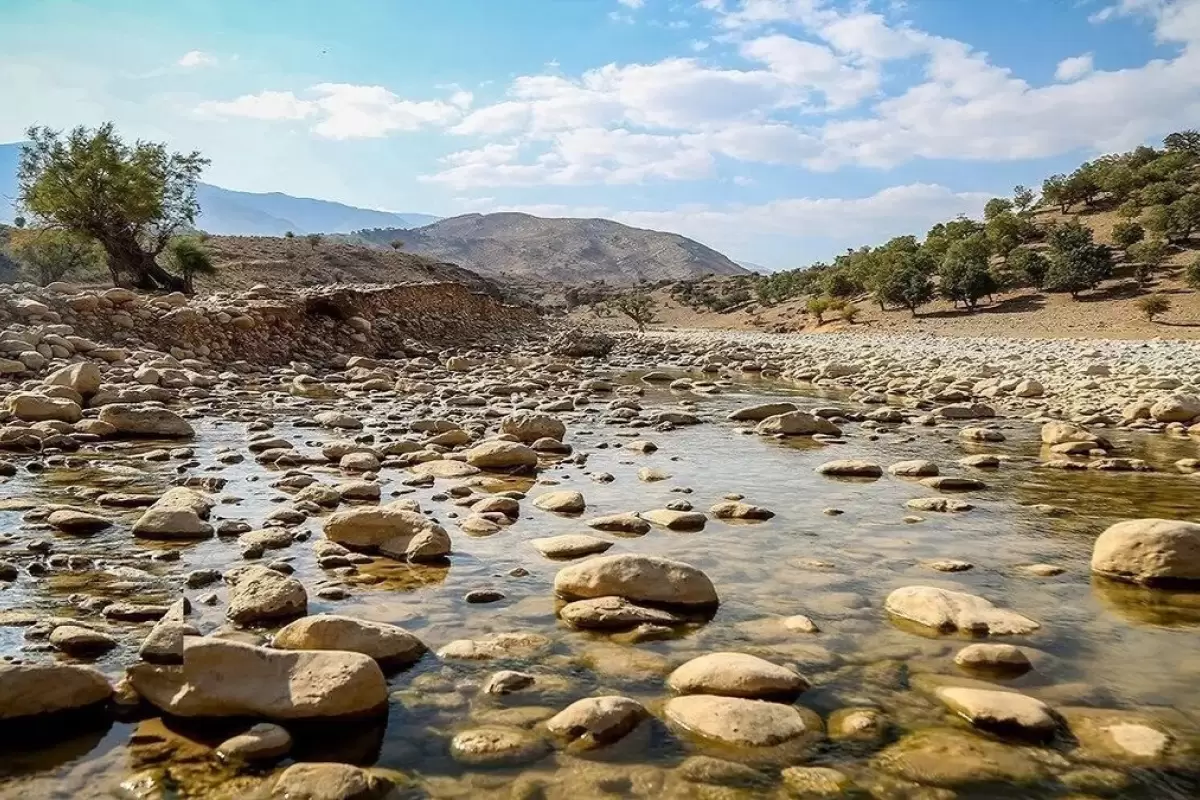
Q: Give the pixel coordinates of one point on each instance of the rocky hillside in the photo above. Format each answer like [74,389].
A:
[573,251]
[244,261]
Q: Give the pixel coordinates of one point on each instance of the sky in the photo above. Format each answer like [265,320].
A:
[778,131]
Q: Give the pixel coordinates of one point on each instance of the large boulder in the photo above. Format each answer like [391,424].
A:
[223,678]
[760,412]
[501,455]
[83,377]
[146,420]
[1149,551]
[1176,408]
[640,578]
[796,423]
[258,594]
[395,530]
[948,612]
[27,690]
[307,781]
[1058,433]
[181,513]
[32,407]
[385,643]
[529,426]
[596,720]
[736,675]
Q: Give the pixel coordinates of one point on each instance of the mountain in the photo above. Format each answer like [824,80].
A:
[230,213]
[572,251]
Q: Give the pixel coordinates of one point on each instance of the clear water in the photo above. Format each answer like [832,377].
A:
[1100,644]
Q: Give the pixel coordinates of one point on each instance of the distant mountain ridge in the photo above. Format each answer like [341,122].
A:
[227,212]
[559,250]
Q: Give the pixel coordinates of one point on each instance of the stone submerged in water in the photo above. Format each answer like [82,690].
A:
[222,678]
[741,722]
[1149,551]
[394,529]
[736,675]
[946,611]
[307,781]
[596,721]
[639,578]
[796,423]
[181,513]
[570,545]
[614,613]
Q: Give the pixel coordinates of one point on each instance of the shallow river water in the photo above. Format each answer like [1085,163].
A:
[1100,644]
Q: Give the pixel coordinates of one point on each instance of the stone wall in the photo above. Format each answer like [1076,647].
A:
[261,325]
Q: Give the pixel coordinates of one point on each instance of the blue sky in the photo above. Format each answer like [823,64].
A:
[779,131]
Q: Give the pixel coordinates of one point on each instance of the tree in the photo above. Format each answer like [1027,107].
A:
[289,235]
[637,306]
[314,240]
[1148,256]
[848,313]
[1177,221]
[1006,231]
[190,258]
[910,284]
[1127,234]
[1054,190]
[51,254]
[1076,262]
[19,221]
[1191,275]
[132,199]
[817,306]
[1031,264]
[1023,198]
[397,244]
[1153,305]
[1129,210]
[964,276]
[1183,141]
[997,205]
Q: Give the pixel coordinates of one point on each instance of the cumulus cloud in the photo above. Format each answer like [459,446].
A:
[1071,69]
[345,111]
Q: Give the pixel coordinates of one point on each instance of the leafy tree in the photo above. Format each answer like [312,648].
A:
[190,258]
[1184,142]
[942,235]
[314,240]
[839,283]
[1160,193]
[289,235]
[1054,190]
[849,313]
[1129,210]
[1127,234]
[1076,262]
[964,276]
[397,244]
[997,205]
[638,307]
[817,306]
[1148,256]
[1023,198]
[911,284]
[1177,221]
[1118,179]
[1191,274]
[19,221]
[132,199]
[1031,264]
[51,254]
[1153,305]
[1006,231]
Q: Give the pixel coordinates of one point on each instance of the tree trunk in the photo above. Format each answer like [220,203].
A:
[126,255]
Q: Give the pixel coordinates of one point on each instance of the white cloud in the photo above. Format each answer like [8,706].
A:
[345,111]
[632,3]
[815,67]
[197,58]
[1074,68]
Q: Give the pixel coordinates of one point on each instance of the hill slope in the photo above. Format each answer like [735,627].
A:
[226,212]
[243,261]
[573,251]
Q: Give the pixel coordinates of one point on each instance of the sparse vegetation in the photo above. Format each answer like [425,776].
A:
[817,306]
[47,255]
[314,240]
[638,307]
[190,258]
[1153,305]
[1148,256]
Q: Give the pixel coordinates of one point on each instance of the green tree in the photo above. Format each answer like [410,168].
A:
[1160,193]
[1147,256]
[910,284]
[132,199]
[289,235]
[1076,262]
[1030,264]
[997,205]
[964,276]
[1006,231]
[1153,305]
[1127,234]
[1023,198]
[314,240]
[817,306]
[638,307]
[1054,190]
[1129,210]
[397,244]
[189,258]
[51,254]
[1191,274]
[1184,142]
[19,221]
